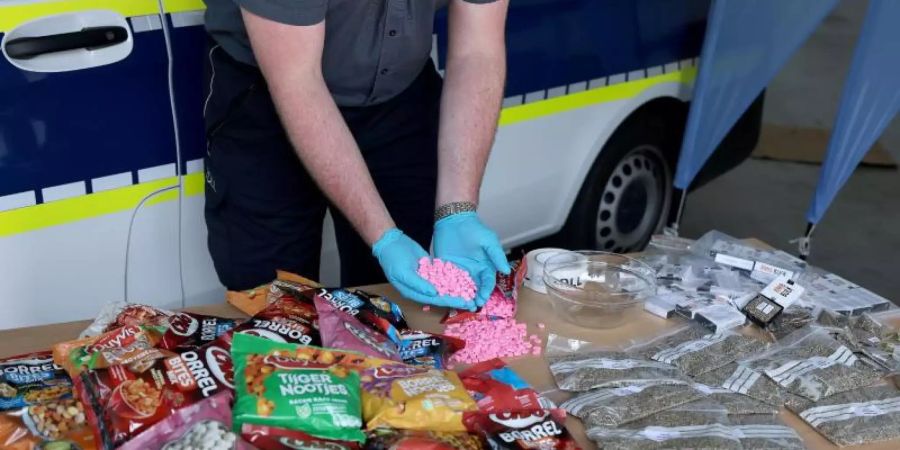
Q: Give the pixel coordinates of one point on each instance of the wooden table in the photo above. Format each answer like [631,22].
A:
[534,308]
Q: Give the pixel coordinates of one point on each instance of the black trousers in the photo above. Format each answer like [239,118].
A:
[264,212]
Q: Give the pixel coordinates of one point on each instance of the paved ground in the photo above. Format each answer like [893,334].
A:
[859,238]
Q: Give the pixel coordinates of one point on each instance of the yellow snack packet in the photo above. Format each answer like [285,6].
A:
[407,397]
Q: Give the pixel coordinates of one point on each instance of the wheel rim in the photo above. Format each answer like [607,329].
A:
[633,201]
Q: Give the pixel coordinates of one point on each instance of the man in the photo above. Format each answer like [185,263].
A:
[318,104]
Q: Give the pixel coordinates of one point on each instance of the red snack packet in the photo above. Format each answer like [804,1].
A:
[286,319]
[341,330]
[419,348]
[543,429]
[390,439]
[374,311]
[498,389]
[131,345]
[188,330]
[208,421]
[501,303]
[120,314]
[123,401]
[270,438]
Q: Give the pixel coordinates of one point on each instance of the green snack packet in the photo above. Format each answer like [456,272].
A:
[298,387]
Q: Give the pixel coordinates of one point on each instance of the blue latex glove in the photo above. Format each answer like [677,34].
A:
[399,258]
[463,240]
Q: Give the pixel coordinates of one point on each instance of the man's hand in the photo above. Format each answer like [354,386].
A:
[465,241]
[399,258]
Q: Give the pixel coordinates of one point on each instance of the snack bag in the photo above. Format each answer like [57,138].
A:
[128,345]
[204,425]
[57,424]
[419,348]
[30,379]
[123,401]
[388,439]
[188,330]
[414,398]
[286,319]
[374,311]
[309,389]
[341,330]
[543,429]
[502,302]
[250,301]
[498,389]
[269,438]
[119,314]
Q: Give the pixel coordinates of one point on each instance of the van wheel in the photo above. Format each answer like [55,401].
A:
[627,194]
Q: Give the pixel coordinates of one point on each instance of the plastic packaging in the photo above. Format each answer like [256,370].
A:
[414,398]
[269,438]
[746,381]
[119,314]
[497,389]
[698,412]
[737,404]
[708,436]
[693,350]
[711,436]
[832,292]
[580,366]
[856,417]
[617,406]
[761,265]
[134,345]
[388,439]
[374,311]
[342,330]
[187,331]
[123,401]
[419,348]
[543,429]
[811,364]
[313,390]
[206,425]
[30,379]
[50,425]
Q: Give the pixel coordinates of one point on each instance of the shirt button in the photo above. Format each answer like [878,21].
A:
[384,71]
[392,33]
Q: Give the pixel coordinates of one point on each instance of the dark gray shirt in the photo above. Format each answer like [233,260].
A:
[373,50]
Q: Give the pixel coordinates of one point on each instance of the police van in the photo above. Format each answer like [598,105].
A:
[102,143]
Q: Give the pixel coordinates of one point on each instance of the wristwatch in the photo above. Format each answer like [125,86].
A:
[449,209]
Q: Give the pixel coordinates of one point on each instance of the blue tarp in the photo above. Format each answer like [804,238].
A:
[871,98]
[746,44]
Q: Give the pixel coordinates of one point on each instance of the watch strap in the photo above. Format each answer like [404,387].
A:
[449,209]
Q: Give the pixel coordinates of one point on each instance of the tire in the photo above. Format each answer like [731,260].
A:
[627,194]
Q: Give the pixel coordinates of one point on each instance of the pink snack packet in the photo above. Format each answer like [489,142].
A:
[342,330]
[189,427]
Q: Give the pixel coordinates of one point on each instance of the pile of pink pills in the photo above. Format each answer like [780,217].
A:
[498,305]
[447,278]
[487,339]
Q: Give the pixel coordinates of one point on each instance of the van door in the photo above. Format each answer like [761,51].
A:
[87,160]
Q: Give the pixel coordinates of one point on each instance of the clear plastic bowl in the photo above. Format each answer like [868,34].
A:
[595,289]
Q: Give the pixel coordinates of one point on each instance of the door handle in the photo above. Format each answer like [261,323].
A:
[88,38]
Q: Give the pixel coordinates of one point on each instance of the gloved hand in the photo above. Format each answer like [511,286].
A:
[399,257]
[462,239]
